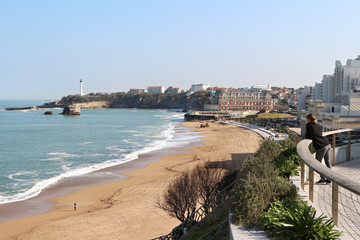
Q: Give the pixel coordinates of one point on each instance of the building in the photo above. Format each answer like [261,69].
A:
[317,91]
[199,87]
[336,103]
[264,87]
[156,89]
[137,91]
[172,90]
[304,96]
[242,100]
[327,88]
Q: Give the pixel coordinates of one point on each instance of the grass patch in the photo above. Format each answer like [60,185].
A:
[209,223]
[275,115]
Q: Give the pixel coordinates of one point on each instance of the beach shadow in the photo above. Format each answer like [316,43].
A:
[233,164]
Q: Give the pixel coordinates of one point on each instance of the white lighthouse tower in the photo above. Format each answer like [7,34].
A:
[81,88]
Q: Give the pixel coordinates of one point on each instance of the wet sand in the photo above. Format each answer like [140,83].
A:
[111,209]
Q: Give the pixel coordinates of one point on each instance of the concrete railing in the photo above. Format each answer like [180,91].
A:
[337,138]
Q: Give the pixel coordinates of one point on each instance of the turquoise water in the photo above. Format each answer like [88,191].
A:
[38,150]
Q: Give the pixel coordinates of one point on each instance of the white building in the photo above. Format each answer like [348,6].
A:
[317,91]
[264,87]
[155,89]
[337,100]
[172,90]
[327,87]
[346,77]
[304,95]
[199,87]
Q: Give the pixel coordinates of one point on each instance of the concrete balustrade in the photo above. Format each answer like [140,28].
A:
[340,154]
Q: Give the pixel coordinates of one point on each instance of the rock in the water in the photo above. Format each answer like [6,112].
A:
[48,113]
[72,110]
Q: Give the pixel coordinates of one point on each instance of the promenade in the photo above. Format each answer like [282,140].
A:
[263,132]
[349,203]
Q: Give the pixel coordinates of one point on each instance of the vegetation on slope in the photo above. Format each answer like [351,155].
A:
[195,101]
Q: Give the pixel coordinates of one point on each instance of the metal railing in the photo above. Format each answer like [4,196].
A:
[344,191]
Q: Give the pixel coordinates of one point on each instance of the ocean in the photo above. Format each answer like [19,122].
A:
[37,150]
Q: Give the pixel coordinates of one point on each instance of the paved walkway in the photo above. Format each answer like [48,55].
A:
[263,132]
[349,203]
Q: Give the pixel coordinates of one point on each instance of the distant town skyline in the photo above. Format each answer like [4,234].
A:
[47,47]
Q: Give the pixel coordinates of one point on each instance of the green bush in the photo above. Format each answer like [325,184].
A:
[286,166]
[258,185]
[289,219]
[269,149]
[288,161]
[294,137]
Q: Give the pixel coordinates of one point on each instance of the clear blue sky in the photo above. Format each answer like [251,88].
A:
[48,46]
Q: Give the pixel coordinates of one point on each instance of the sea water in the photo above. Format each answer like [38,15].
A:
[38,150]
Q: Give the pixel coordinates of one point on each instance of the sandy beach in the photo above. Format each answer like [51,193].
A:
[127,209]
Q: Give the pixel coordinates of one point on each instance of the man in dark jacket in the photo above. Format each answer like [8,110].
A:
[320,143]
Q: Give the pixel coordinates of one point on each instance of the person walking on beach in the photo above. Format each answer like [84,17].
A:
[74,206]
[320,143]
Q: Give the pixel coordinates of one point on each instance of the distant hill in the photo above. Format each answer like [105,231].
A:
[147,101]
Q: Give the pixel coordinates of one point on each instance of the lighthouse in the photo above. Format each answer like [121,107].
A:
[81,88]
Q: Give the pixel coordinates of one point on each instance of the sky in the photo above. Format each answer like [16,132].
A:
[46,47]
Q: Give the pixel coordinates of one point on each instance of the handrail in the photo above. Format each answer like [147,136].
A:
[304,153]
[349,221]
[340,131]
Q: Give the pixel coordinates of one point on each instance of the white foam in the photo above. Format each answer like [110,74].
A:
[51,159]
[14,175]
[131,142]
[84,143]
[128,131]
[167,135]
[63,154]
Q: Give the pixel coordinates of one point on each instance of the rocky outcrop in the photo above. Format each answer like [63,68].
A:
[22,108]
[48,113]
[99,104]
[72,110]
[146,101]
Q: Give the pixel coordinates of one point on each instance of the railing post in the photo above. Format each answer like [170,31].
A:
[335,203]
[333,149]
[302,174]
[311,184]
[348,152]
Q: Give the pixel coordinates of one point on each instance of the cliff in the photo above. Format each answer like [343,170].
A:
[125,100]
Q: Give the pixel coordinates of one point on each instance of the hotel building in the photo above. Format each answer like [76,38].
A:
[242,100]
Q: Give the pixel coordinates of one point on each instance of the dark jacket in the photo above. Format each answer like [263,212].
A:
[314,133]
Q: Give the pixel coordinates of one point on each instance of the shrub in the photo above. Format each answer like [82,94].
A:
[205,181]
[287,166]
[289,219]
[269,149]
[294,137]
[190,189]
[227,180]
[258,185]
[288,161]
[180,199]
